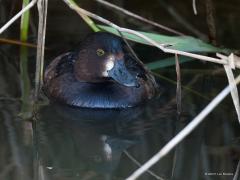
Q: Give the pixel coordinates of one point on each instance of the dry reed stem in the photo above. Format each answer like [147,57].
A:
[178,89]
[19,14]
[234,91]
[42,10]
[194,7]
[230,76]
[124,11]
[139,164]
[185,132]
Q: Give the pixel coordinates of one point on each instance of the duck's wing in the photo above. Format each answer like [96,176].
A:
[59,66]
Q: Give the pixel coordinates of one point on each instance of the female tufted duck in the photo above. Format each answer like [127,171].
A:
[102,73]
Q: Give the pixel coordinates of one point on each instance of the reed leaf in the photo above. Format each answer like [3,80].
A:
[157,64]
[182,43]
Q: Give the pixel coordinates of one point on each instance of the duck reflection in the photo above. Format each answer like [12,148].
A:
[78,143]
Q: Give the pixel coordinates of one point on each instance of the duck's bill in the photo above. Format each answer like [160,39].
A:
[121,74]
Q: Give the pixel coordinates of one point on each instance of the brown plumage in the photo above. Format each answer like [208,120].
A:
[102,73]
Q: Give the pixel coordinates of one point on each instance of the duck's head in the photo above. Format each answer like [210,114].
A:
[105,57]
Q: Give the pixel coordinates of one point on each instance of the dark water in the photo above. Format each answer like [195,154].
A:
[56,142]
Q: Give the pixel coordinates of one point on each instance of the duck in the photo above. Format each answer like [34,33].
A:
[102,72]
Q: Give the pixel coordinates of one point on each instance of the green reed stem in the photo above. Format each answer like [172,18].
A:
[24,23]
[25,81]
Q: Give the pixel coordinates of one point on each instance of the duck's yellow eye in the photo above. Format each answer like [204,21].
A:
[100,52]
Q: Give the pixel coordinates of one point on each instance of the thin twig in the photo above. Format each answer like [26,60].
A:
[186,131]
[178,89]
[17,42]
[194,7]
[139,165]
[131,49]
[14,18]
[124,11]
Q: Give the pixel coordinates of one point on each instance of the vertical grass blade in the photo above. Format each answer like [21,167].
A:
[42,10]
[25,82]
[24,23]
[178,89]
